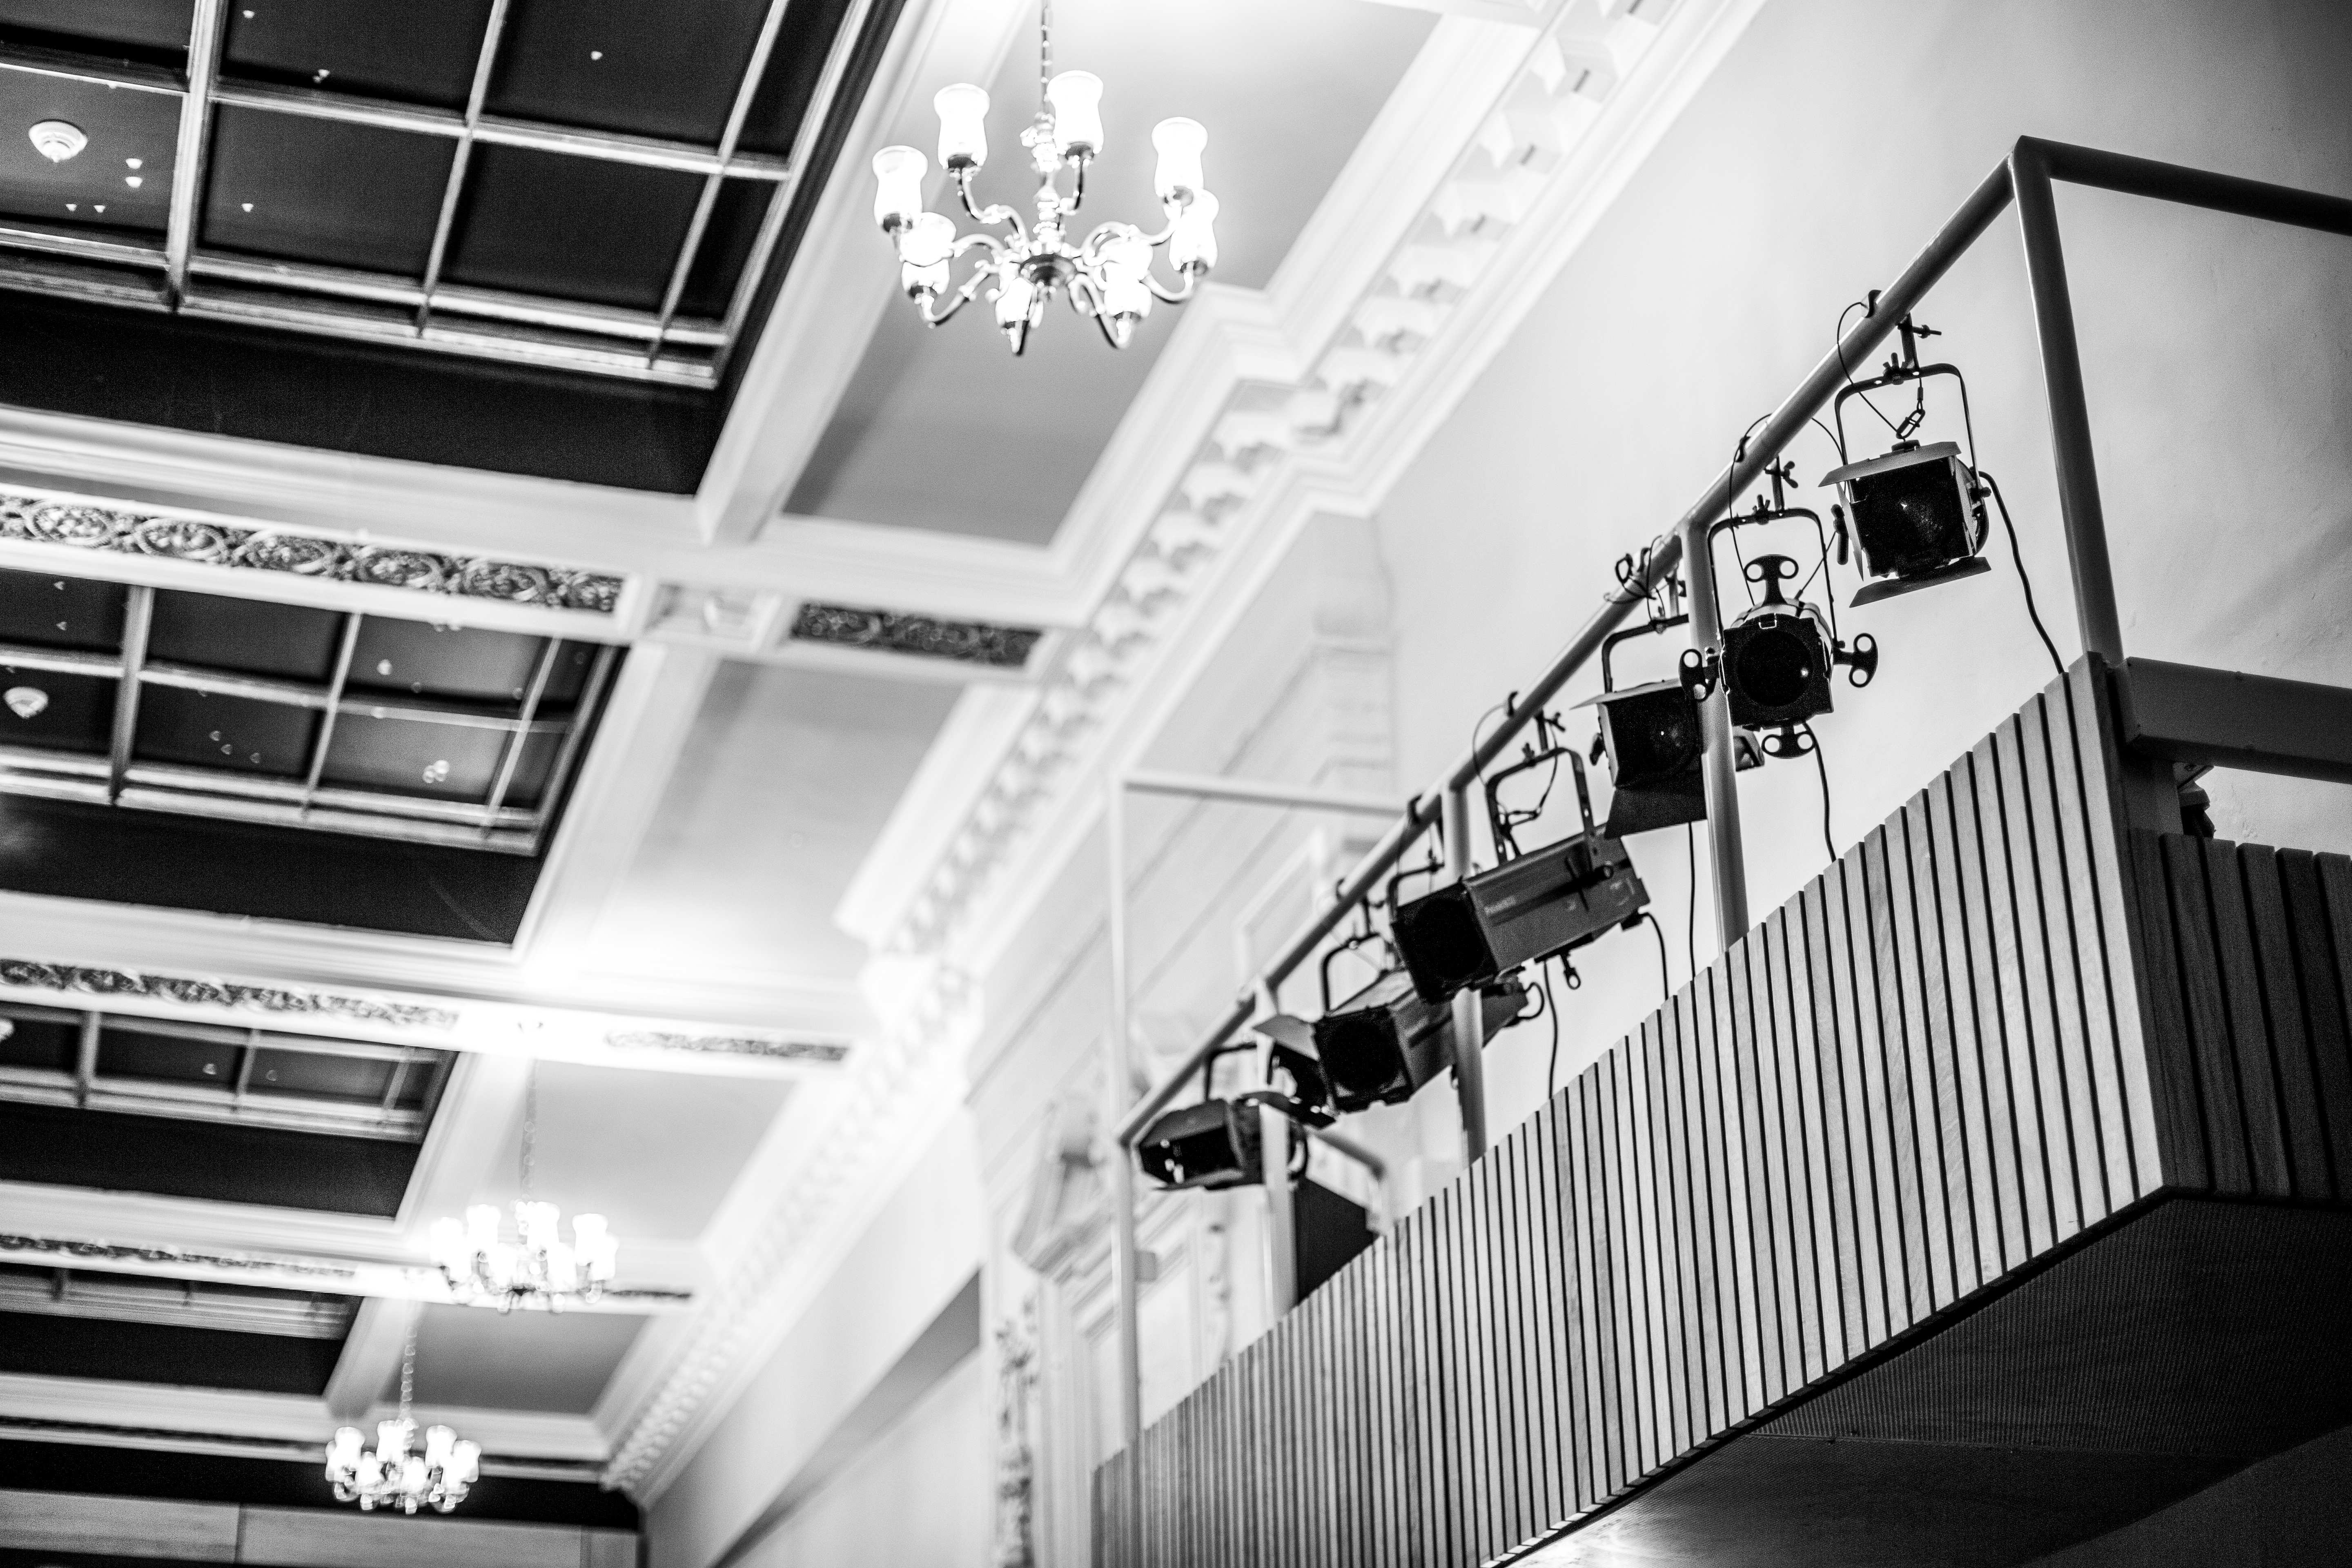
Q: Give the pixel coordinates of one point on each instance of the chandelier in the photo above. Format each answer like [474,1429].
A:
[1108,275]
[537,1269]
[392,1476]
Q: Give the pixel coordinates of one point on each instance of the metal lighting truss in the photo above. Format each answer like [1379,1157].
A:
[226,1075]
[343,302]
[117,779]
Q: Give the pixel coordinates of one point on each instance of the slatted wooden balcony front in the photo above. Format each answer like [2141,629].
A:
[1991,1193]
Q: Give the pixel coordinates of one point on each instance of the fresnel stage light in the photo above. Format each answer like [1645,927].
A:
[1653,743]
[1380,1045]
[1217,1142]
[1777,656]
[1529,908]
[1917,514]
[1108,275]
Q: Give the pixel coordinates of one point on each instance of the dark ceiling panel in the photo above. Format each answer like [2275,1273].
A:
[251,637]
[223,379]
[150,24]
[44,1039]
[58,1146]
[790,81]
[157,1353]
[419,51]
[319,190]
[61,612]
[132,136]
[52,711]
[461,662]
[268,1482]
[542,223]
[726,246]
[68,849]
[233,735]
[655,69]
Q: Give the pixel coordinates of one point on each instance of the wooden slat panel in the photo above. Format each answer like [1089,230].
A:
[304,1537]
[118,1527]
[2282,1002]
[1998,1018]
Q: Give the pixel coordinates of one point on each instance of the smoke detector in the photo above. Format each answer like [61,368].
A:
[57,140]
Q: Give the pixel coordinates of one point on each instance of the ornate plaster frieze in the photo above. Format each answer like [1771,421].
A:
[88,525]
[824,1051]
[167,1258]
[283,1000]
[926,636]
[1575,70]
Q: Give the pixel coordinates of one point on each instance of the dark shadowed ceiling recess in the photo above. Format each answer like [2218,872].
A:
[533,235]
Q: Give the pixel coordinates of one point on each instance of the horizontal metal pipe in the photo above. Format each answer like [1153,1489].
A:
[1360,1152]
[2192,187]
[1251,792]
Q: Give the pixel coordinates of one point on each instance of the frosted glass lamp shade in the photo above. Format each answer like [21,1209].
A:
[438,1440]
[1193,246]
[465,1462]
[963,126]
[1076,99]
[391,1438]
[344,1453]
[899,185]
[481,1228]
[449,1248]
[926,242]
[1179,142]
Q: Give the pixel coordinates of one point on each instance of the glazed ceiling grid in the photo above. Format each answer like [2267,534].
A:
[554,182]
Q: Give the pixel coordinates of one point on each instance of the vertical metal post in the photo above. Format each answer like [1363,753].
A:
[1469,1022]
[1274,1158]
[2070,413]
[1119,1093]
[1725,851]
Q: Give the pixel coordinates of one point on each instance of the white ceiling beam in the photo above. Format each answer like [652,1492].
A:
[371,1355]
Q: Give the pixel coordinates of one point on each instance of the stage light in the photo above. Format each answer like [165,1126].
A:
[1525,909]
[1653,743]
[1382,1044]
[1917,514]
[1209,1146]
[1776,660]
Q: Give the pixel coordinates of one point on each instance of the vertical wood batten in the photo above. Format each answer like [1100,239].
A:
[2002,1017]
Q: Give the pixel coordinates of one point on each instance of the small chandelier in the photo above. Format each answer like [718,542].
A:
[537,1269]
[1108,275]
[392,1476]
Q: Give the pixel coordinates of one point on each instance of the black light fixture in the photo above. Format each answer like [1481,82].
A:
[1776,658]
[1382,1044]
[1917,514]
[1652,741]
[1527,909]
[1217,1142]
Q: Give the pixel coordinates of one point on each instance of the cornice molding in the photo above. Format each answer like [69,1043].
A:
[1567,114]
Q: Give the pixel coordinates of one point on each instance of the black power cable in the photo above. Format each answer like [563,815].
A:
[2018,554]
[1551,1010]
[1666,976]
[1690,904]
[1828,843]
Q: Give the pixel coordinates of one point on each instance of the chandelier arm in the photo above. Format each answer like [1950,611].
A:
[1078,193]
[1174,296]
[999,214]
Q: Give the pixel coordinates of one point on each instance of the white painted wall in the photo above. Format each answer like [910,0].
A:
[920,1250]
[918,1497]
[1832,141]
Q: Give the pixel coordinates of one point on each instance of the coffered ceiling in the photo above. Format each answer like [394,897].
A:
[502,426]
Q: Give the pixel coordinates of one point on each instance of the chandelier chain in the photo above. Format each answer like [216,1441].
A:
[1045,49]
[409,1371]
[529,1123]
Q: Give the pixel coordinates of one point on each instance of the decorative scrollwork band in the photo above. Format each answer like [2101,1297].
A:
[967,642]
[728,1045]
[89,527]
[25,974]
[54,1246]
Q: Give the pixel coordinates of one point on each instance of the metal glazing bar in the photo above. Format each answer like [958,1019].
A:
[258,689]
[137,610]
[251,1049]
[2079,507]
[484,59]
[746,90]
[1469,1019]
[209,21]
[395,1082]
[97,69]
[43,241]
[611,147]
[334,697]
[389,289]
[58,660]
[512,753]
[559,777]
[804,140]
[86,1060]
